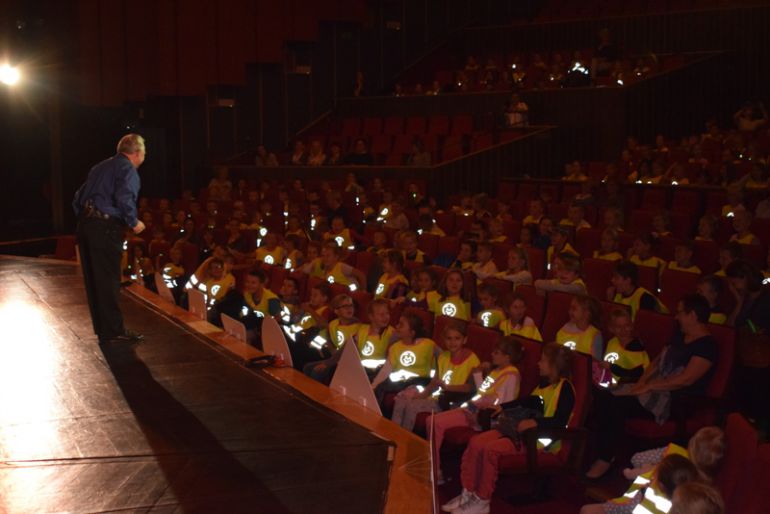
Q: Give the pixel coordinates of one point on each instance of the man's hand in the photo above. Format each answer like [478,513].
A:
[139,227]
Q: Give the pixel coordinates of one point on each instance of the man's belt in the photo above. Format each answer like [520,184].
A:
[89,211]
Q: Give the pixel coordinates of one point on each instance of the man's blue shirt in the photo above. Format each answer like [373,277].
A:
[112,186]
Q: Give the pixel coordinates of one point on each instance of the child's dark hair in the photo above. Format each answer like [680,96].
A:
[442,291]
[511,346]
[415,324]
[324,289]
[489,289]
[560,358]
[673,471]
[396,259]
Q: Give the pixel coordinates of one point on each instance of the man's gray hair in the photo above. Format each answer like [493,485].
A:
[130,143]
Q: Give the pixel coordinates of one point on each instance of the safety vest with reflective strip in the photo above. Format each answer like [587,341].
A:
[551,252]
[260,306]
[495,380]
[635,299]
[385,284]
[626,359]
[171,272]
[649,262]
[526,328]
[373,348]
[654,502]
[342,239]
[336,276]
[550,396]
[412,360]
[454,374]
[339,333]
[579,341]
[215,290]
[452,306]
[272,257]
[490,318]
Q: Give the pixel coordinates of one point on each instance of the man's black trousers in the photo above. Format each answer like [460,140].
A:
[101,247]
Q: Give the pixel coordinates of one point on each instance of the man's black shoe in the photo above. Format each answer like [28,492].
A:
[125,337]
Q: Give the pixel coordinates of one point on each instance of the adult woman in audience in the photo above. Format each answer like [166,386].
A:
[335,155]
[220,186]
[418,157]
[265,158]
[751,319]
[684,367]
[299,155]
[316,157]
[360,155]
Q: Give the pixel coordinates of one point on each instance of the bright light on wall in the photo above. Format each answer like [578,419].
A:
[9,75]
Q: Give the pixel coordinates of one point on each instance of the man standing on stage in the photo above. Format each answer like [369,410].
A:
[105,205]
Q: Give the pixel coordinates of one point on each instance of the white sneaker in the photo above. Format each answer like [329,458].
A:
[457,501]
[474,506]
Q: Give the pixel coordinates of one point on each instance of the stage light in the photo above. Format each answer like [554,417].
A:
[9,75]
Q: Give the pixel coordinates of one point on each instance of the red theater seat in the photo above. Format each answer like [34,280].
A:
[674,285]
[482,341]
[556,314]
[535,302]
[597,274]
[655,330]
[742,440]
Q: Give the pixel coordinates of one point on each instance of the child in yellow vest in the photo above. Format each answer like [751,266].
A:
[491,314]
[410,361]
[464,259]
[313,267]
[705,453]
[497,382]
[518,323]
[451,385]
[556,398]
[707,228]
[683,253]
[496,231]
[581,332]
[608,246]
[624,290]
[566,272]
[640,253]
[484,266]
[340,234]
[625,358]
[374,339]
[270,252]
[451,298]
[392,283]
[423,282]
[559,245]
[336,271]
[341,330]
[407,243]
[710,287]
[575,218]
[742,226]
[517,269]
[536,212]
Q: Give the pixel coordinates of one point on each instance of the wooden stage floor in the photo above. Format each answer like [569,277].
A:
[174,423]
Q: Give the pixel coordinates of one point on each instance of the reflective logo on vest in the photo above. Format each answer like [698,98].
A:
[244,311]
[330,279]
[486,384]
[449,309]
[485,318]
[380,289]
[571,345]
[340,240]
[368,349]
[215,289]
[340,337]
[269,259]
[447,376]
[612,357]
[408,358]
